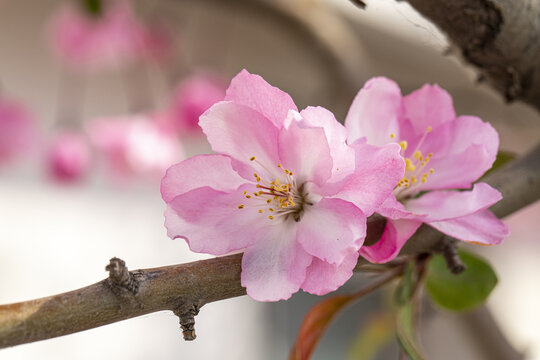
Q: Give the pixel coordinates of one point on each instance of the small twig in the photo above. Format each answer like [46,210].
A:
[187,320]
[450,254]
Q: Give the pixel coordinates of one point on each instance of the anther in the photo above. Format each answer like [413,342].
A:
[252,158]
[271,217]
[429,128]
[240,206]
[392,136]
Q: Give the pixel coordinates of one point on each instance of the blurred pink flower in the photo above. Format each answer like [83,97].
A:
[284,186]
[68,157]
[193,96]
[134,145]
[112,38]
[18,133]
[442,152]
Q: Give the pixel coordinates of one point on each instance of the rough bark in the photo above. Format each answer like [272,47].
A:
[499,37]
[185,288]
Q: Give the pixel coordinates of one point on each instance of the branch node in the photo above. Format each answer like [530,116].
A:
[186,314]
[121,281]
[450,254]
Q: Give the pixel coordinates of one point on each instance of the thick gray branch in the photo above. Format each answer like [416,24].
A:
[184,288]
[500,37]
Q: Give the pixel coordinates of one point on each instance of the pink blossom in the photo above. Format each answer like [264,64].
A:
[68,157]
[134,145]
[442,152]
[192,98]
[114,37]
[17,130]
[284,187]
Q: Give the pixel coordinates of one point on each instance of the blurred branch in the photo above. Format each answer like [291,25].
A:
[185,288]
[499,37]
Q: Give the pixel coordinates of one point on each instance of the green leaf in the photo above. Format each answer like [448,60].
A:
[405,332]
[503,157]
[463,291]
[315,324]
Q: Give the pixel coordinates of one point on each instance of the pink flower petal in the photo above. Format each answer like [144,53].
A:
[393,209]
[480,228]
[395,234]
[444,205]
[343,231]
[428,106]
[377,171]
[463,150]
[274,267]
[254,92]
[376,112]
[214,171]
[306,153]
[242,133]
[211,222]
[322,277]
[342,154]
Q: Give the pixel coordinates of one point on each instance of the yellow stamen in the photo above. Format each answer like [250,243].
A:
[403,145]
[417,155]
[271,217]
[392,136]
[409,166]
[240,206]
[260,211]
[252,158]
[429,128]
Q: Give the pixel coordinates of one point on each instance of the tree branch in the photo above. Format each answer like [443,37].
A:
[499,37]
[185,288]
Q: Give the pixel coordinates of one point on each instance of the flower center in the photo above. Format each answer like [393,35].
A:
[416,172]
[279,198]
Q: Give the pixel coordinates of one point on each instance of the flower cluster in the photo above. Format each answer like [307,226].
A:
[111,38]
[293,189]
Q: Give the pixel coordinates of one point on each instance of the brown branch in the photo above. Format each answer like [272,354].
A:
[185,288]
[499,37]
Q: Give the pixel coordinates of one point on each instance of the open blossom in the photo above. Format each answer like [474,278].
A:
[284,186]
[18,130]
[134,145]
[109,39]
[68,157]
[441,152]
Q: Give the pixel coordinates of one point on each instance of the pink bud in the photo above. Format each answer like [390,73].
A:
[68,157]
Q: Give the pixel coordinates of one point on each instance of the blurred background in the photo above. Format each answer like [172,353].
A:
[108,94]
